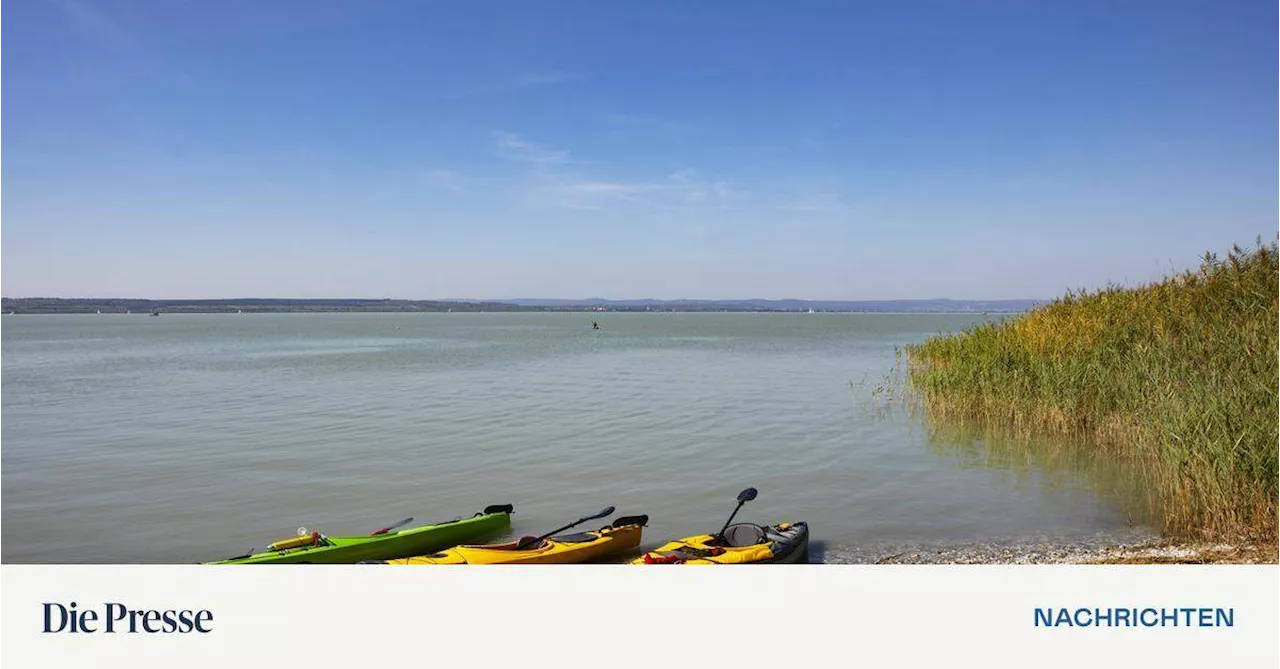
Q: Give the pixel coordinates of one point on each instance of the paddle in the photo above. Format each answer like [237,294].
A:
[525,541]
[743,497]
[393,526]
[238,557]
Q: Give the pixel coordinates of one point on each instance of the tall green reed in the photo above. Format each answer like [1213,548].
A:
[1178,377]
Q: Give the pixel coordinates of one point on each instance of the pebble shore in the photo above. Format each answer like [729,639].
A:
[1152,553]
[1136,548]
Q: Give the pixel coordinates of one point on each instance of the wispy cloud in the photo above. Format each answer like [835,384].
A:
[94,22]
[815,197]
[544,79]
[558,179]
[629,120]
[554,177]
[701,191]
[605,188]
[516,147]
[512,84]
[445,179]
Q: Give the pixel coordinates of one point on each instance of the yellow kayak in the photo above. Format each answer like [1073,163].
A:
[744,543]
[621,535]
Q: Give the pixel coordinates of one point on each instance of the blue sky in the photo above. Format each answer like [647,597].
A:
[568,149]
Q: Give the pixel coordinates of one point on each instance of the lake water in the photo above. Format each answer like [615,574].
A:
[129,439]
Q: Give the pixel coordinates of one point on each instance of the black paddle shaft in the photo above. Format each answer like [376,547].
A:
[607,511]
[743,497]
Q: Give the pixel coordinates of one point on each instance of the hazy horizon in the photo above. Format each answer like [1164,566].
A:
[661,150]
[519,299]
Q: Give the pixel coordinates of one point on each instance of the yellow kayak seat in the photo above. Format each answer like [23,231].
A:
[624,534]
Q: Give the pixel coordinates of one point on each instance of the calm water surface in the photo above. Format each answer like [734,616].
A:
[191,437]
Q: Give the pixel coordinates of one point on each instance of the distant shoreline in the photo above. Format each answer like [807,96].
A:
[49,305]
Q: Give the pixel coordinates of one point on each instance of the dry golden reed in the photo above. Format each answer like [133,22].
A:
[1178,377]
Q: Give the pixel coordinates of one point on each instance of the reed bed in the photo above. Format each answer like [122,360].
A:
[1177,378]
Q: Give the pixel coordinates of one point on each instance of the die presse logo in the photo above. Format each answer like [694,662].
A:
[116,618]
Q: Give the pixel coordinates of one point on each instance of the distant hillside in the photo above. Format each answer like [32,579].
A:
[933,305]
[54,305]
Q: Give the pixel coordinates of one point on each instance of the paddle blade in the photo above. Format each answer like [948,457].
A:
[607,511]
[747,495]
[248,554]
[392,526]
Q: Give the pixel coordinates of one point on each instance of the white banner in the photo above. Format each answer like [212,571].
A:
[624,616]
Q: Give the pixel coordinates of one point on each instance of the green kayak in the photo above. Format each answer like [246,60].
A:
[382,545]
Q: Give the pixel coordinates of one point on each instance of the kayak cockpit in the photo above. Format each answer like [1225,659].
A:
[742,535]
[743,543]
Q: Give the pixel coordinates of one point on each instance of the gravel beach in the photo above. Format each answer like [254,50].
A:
[1138,547]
